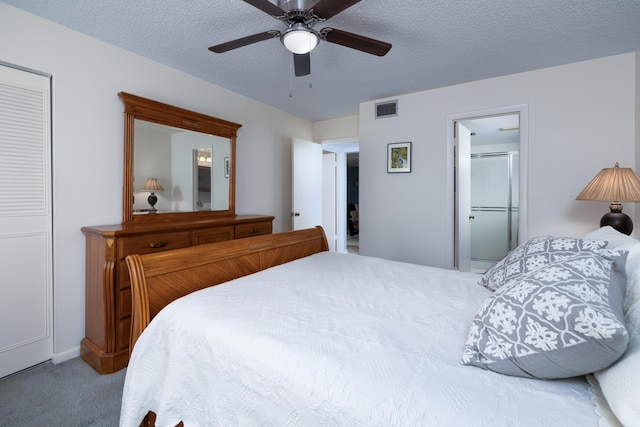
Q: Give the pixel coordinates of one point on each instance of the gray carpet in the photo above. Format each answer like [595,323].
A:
[70,394]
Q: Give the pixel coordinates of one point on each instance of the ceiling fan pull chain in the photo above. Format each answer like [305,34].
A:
[291,77]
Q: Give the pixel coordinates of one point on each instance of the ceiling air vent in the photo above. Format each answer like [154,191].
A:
[386,109]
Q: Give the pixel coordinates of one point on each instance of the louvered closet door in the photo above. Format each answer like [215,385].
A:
[25,220]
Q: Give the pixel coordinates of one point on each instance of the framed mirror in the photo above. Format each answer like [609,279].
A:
[178,164]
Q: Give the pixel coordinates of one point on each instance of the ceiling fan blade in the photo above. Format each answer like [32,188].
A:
[244,41]
[328,8]
[302,64]
[267,7]
[355,41]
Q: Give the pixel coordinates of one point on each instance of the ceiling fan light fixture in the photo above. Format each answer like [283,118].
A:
[300,39]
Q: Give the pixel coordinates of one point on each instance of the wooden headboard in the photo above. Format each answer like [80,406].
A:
[157,279]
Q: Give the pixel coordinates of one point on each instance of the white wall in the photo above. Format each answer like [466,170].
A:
[338,129]
[581,119]
[88,143]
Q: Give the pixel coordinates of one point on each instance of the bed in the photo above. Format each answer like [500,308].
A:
[294,335]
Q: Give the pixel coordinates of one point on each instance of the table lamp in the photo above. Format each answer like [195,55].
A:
[614,185]
[152,185]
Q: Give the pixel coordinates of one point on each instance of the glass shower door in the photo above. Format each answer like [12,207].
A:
[494,201]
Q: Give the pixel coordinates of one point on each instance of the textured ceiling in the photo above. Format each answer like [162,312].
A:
[436,43]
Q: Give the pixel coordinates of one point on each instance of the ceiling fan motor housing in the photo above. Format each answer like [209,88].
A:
[300,37]
[290,5]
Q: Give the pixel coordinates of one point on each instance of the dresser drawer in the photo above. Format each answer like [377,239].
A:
[212,235]
[150,243]
[123,279]
[124,303]
[123,332]
[253,229]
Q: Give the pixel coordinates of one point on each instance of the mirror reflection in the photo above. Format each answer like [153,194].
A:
[191,170]
[202,159]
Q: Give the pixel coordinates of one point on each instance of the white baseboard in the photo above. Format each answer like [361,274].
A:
[66,355]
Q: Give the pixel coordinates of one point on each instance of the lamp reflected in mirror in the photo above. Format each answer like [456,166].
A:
[615,185]
[152,185]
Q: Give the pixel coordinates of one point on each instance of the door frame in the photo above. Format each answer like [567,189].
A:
[329,188]
[523,219]
[341,147]
[462,228]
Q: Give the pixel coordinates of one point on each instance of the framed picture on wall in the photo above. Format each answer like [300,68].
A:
[399,157]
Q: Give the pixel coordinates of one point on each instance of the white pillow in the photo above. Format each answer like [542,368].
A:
[611,235]
[622,242]
[620,383]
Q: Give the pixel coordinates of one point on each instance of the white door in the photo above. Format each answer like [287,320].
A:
[25,221]
[307,184]
[463,197]
[329,175]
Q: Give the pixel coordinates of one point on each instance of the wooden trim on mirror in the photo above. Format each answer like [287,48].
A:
[140,108]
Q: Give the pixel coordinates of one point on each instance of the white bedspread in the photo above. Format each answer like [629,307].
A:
[337,340]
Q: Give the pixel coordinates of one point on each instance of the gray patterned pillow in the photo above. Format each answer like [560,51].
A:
[537,253]
[560,321]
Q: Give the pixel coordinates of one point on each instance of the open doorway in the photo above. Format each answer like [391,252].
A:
[353,203]
[494,187]
[490,151]
[342,228]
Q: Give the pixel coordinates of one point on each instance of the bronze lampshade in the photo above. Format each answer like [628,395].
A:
[614,185]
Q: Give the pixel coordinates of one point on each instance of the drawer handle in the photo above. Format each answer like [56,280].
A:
[157,245]
[254,230]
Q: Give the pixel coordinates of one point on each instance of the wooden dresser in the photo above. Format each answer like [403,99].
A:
[108,289]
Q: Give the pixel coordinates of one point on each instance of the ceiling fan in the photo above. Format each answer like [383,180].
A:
[300,38]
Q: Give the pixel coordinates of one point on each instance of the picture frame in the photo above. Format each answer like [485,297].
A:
[226,167]
[399,157]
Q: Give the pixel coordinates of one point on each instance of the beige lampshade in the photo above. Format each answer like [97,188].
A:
[152,185]
[613,184]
